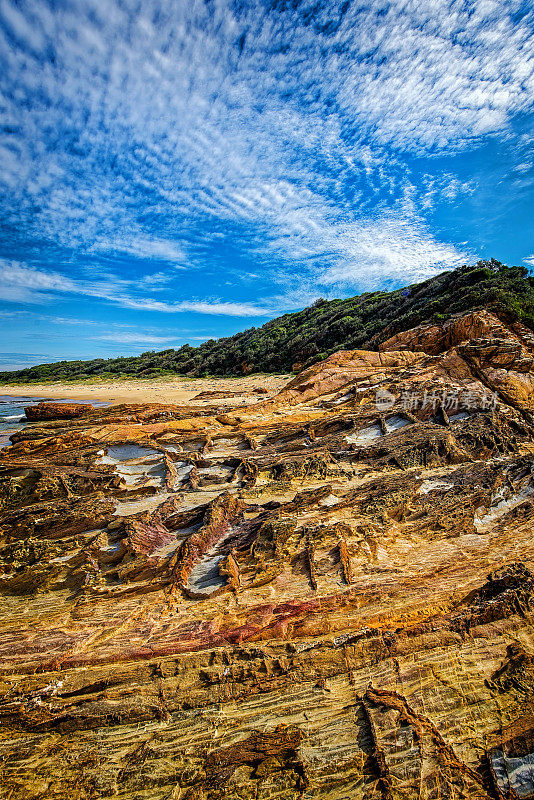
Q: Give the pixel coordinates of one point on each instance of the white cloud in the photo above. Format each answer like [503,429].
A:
[133,338]
[14,361]
[167,132]
[445,187]
[15,274]
[145,248]
[176,118]
[199,307]
[392,249]
[389,246]
[21,283]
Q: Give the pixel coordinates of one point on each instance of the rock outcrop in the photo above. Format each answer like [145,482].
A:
[436,339]
[43,411]
[328,594]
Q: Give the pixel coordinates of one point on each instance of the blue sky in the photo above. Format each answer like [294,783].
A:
[177,171]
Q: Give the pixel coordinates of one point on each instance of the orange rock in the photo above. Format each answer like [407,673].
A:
[310,596]
[44,411]
[435,339]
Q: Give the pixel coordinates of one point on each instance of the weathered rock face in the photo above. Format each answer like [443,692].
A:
[324,595]
[435,339]
[43,411]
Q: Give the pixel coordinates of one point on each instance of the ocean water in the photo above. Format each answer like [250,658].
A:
[12,417]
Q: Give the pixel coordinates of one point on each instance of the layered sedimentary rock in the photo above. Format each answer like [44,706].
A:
[325,594]
[43,411]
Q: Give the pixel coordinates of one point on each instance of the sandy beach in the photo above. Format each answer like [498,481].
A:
[174,390]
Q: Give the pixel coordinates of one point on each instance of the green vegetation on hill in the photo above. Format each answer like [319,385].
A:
[310,335]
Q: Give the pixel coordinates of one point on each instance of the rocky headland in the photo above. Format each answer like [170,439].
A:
[324,593]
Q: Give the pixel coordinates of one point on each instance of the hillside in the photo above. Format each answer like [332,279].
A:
[299,339]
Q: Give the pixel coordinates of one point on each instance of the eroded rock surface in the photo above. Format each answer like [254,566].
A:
[326,594]
[43,411]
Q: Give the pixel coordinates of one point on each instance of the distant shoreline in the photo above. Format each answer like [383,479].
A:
[161,390]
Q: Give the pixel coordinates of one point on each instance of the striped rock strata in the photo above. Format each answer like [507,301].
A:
[327,594]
